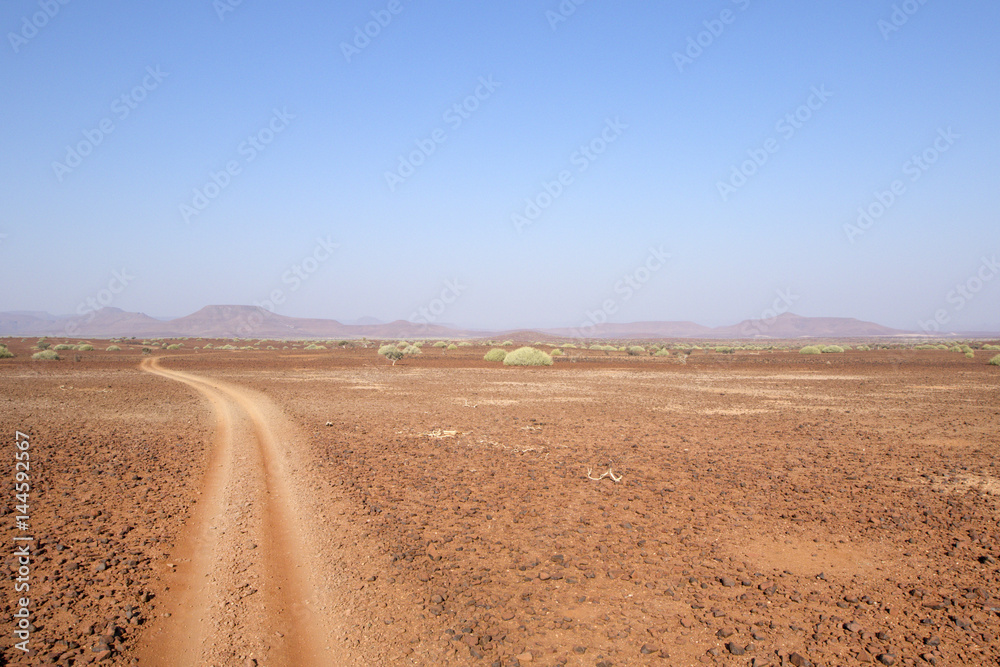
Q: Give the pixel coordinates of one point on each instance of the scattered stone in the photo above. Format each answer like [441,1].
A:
[887,658]
[799,660]
[735,648]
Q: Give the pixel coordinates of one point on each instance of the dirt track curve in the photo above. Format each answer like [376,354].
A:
[245,578]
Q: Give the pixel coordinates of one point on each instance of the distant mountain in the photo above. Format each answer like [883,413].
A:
[256,322]
[788,325]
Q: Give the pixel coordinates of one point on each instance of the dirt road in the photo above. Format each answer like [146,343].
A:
[244,575]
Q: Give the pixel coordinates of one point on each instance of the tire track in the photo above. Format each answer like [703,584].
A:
[244,585]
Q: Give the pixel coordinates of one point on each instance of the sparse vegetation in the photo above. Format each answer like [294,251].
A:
[440,343]
[527,356]
[811,349]
[663,352]
[725,349]
[84,347]
[175,346]
[465,343]
[556,353]
[62,347]
[315,346]
[391,352]
[496,354]
[42,344]
[452,347]
[114,348]
[832,349]
[507,343]
[971,355]
[995,361]
[5,353]
[636,350]
[46,355]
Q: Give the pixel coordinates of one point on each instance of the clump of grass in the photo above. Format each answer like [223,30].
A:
[556,353]
[440,343]
[226,347]
[832,349]
[315,346]
[971,355]
[507,343]
[664,352]
[465,343]
[5,353]
[84,347]
[995,361]
[724,349]
[496,354]
[571,346]
[175,346]
[811,349]
[863,348]
[46,355]
[114,348]
[208,346]
[42,344]
[452,347]
[636,350]
[527,356]
[62,347]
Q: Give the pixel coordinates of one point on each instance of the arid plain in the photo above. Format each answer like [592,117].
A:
[324,507]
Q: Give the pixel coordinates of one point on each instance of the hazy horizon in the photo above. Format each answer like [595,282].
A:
[528,164]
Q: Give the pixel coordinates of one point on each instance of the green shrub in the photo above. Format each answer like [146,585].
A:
[988,346]
[452,347]
[46,355]
[662,353]
[226,347]
[863,348]
[507,343]
[970,355]
[440,343]
[412,349]
[465,343]
[811,349]
[314,346]
[955,348]
[42,344]
[556,352]
[114,348]
[419,343]
[636,350]
[570,346]
[496,354]
[995,361]
[832,349]
[62,347]
[174,346]
[5,353]
[527,356]
[391,352]
[84,347]
[402,345]
[724,349]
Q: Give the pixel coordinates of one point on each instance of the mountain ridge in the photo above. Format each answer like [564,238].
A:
[239,321]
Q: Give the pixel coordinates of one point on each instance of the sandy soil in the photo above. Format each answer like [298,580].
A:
[298,508]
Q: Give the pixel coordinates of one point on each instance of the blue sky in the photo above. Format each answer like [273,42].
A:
[740,138]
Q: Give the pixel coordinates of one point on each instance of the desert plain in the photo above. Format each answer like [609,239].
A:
[326,507]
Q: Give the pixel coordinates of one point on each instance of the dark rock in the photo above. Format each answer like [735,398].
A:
[735,648]
[799,660]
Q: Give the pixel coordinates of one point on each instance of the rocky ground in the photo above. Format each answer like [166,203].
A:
[772,508]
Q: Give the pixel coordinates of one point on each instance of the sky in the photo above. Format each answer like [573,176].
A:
[504,164]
